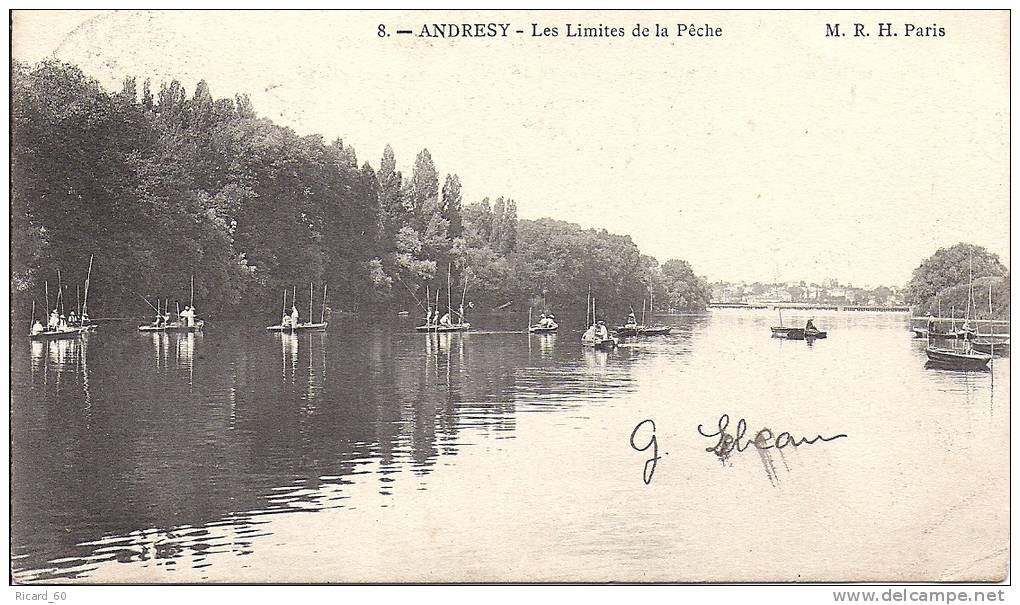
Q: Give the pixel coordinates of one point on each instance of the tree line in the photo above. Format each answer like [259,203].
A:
[943,282]
[162,186]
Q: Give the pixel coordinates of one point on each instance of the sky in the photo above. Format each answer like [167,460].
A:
[769,153]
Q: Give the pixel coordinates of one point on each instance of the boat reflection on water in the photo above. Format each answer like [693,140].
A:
[309,374]
[545,342]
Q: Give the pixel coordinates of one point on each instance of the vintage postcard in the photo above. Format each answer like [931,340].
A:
[509,297]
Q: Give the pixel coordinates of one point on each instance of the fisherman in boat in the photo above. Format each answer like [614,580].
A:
[72,319]
[37,328]
[191,317]
[63,323]
[445,319]
[603,332]
[542,322]
[631,319]
[285,320]
[589,334]
[294,316]
[810,327]
[931,323]
[54,320]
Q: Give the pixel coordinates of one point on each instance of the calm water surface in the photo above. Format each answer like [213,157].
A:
[386,455]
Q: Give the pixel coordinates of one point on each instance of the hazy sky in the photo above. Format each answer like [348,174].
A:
[771,152]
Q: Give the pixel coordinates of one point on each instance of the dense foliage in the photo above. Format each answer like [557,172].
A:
[162,187]
[945,277]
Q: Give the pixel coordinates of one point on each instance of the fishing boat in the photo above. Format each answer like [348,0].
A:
[174,326]
[957,360]
[966,359]
[800,334]
[61,329]
[592,337]
[547,325]
[654,329]
[439,326]
[990,347]
[183,325]
[991,344]
[791,333]
[539,329]
[308,326]
[923,333]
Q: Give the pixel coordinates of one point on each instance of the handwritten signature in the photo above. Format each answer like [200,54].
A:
[763,440]
[648,425]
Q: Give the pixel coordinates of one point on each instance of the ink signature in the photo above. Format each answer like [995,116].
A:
[651,444]
[763,440]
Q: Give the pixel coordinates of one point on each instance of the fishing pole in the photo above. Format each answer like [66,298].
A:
[412,293]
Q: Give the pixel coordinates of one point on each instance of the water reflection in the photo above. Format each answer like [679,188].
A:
[177,450]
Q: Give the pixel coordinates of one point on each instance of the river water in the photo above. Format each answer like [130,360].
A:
[380,454]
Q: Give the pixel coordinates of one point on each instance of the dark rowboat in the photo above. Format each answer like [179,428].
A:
[947,358]
[305,327]
[654,330]
[797,333]
[628,330]
[991,347]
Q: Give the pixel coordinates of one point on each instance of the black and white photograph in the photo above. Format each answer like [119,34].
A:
[311,297]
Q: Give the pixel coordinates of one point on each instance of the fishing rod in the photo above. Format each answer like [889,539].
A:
[88,280]
[416,299]
[322,317]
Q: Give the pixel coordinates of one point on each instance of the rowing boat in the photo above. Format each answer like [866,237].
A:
[540,329]
[464,327]
[991,347]
[175,326]
[305,327]
[947,358]
[599,343]
[654,330]
[58,333]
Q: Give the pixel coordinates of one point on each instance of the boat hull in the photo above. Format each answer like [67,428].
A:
[174,327]
[310,327]
[58,334]
[654,331]
[451,328]
[958,361]
[797,333]
[622,331]
[601,344]
[543,329]
[999,349]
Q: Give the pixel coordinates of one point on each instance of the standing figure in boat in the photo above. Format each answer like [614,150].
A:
[631,320]
[602,331]
[931,324]
[294,316]
[54,320]
[72,319]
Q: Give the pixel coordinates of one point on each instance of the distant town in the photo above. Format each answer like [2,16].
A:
[830,293]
